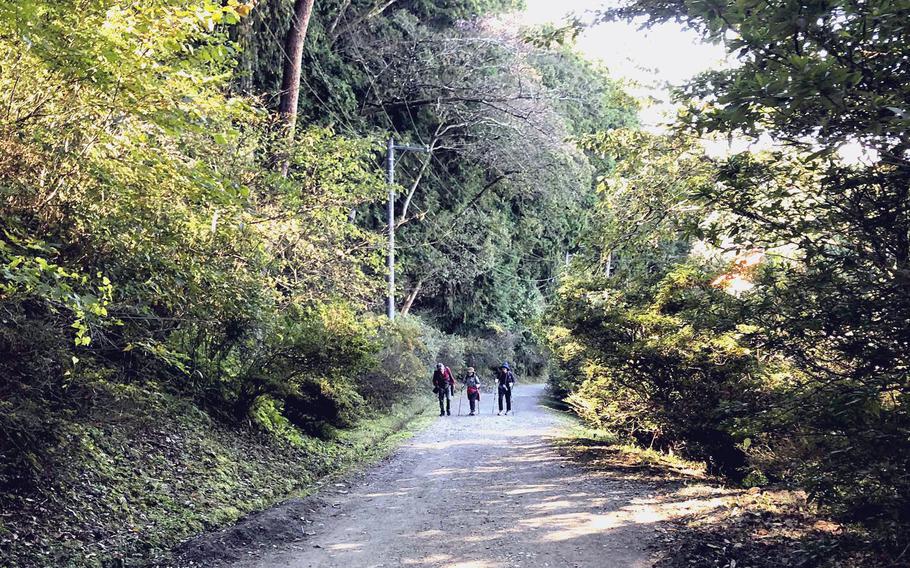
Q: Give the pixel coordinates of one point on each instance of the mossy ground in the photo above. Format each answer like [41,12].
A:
[126,487]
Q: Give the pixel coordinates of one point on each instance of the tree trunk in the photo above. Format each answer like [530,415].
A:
[290,79]
[411,297]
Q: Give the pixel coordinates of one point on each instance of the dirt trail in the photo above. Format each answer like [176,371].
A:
[483,492]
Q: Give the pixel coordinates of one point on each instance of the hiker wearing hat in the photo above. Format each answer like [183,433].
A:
[443,387]
[505,379]
[472,384]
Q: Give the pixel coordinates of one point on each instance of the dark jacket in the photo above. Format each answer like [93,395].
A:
[443,379]
[505,379]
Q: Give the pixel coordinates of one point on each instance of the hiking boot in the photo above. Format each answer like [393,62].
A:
[442,413]
[448,413]
[471,414]
[499,413]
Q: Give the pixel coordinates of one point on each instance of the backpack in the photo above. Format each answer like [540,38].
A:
[445,380]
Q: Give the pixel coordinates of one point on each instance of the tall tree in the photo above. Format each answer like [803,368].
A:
[290,81]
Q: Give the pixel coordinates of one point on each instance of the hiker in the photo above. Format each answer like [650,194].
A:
[444,388]
[505,379]
[472,384]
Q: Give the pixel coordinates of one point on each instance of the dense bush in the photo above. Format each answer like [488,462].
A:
[146,241]
[826,318]
[777,360]
[409,348]
[671,374]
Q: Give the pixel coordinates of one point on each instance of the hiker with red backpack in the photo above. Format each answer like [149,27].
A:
[444,388]
[472,384]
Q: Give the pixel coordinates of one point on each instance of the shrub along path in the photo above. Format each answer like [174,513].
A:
[473,492]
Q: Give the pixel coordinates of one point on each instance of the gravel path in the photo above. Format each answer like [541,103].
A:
[478,492]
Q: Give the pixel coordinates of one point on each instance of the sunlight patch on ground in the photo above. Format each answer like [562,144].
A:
[700,491]
[448,471]
[550,506]
[429,560]
[453,443]
[482,538]
[526,459]
[555,505]
[532,489]
[399,493]
[567,526]
[345,546]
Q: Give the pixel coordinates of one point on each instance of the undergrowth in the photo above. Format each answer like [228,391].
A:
[124,489]
[766,527]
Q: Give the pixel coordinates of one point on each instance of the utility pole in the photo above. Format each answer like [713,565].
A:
[390,179]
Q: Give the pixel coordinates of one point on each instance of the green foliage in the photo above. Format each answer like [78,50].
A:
[410,348]
[814,390]
[268,414]
[767,381]
[145,240]
[28,274]
[498,114]
[151,470]
[661,372]
[150,256]
[595,102]
[647,208]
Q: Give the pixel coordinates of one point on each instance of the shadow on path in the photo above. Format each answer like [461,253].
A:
[481,492]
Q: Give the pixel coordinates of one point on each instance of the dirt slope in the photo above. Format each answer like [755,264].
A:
[473,492]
